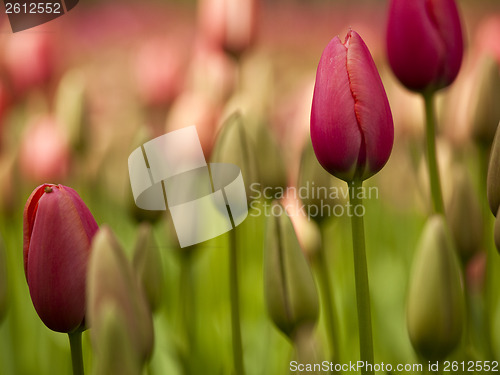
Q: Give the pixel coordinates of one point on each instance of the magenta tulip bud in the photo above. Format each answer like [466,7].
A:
[424,43]
[351,122]
[58,229]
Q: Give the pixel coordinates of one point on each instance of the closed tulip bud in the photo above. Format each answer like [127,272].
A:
[290,292]
[233,145]
[70,108]
[270,164]
[465,217]
[58,230]
[493,180]
[115,353]
[112,282]
[319,199]
[229,24]
[435,309]
[148,266]
[485,110]
[351,122]
[424,43]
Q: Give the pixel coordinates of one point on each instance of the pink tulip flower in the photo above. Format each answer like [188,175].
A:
[58,230]
[424,43]
[351,122]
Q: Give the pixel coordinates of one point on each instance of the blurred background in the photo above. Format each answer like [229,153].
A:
[79,94]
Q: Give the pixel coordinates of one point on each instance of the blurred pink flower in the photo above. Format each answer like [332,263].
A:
[159,70]
[45,152]
[193,108]
[487,38]
[29,60]
[229,24]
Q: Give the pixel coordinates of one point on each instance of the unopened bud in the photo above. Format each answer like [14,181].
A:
[435,309]
[111,281]
[148,266]
[290,292]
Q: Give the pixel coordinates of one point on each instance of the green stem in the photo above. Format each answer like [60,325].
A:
[187,306]
[430,120]
[331,320]
[361,278]
[235,304]
[75,343]
[487,243]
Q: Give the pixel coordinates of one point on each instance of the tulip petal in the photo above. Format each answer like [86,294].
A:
[57,258]
[29,220]
[447,23]
[414,46]
[335,134]
[371,107]
[88,221]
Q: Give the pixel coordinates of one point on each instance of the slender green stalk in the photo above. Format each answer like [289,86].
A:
[361,278]
[235,304]
[329,310]
[75,343]
[186,295]
[430,121]
[490,289]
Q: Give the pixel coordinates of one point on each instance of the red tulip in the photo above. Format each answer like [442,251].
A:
[351,122]
[58,229]
[424,43]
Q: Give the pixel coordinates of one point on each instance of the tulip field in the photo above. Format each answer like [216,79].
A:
[248,187]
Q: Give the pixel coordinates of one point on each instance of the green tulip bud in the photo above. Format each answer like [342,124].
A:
[290,292]
[143,134]
[70,107]
[270,163]
[319,201]
[493,181]
[465,217]
[111,281]
[485,110]
[148,266]
[435,309]
[233,145]
[115,354]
